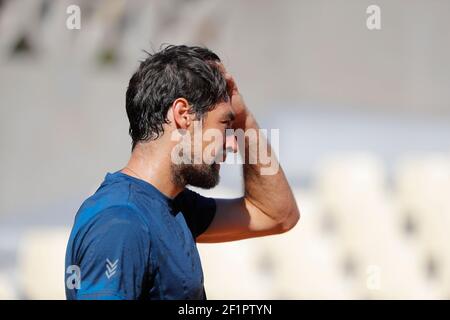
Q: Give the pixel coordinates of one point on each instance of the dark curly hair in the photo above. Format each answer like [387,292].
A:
[188,72]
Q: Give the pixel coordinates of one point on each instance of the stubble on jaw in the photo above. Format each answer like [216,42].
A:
[205,176]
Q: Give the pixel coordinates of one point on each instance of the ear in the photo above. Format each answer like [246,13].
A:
[180,113]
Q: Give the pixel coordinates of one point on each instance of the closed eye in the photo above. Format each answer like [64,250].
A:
[227,123]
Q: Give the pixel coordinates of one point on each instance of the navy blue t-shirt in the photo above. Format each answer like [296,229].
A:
[130,241]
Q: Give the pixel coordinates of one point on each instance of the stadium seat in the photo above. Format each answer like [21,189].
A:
[41,263]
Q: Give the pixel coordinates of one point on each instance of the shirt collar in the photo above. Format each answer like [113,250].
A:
[174,204]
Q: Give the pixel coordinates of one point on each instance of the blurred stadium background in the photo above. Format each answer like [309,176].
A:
[364,119]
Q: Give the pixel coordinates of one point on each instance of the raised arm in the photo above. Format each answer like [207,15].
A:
[268,206]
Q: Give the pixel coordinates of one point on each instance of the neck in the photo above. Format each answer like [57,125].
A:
[153,166]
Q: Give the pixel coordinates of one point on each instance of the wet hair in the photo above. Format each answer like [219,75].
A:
[174,72]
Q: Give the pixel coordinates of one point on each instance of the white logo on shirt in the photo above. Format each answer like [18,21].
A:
[111,268]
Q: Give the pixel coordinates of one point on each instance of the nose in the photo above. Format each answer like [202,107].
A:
[231,143]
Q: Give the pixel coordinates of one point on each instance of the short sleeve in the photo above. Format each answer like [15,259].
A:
[114,259]
[198,211]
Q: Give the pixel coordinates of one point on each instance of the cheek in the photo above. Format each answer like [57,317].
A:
[213,147]
[213,136]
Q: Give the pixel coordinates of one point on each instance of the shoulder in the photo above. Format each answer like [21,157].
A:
[111,204]
[116,225]
[125,216]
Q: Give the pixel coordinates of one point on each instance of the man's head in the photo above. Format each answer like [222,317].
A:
[171,90]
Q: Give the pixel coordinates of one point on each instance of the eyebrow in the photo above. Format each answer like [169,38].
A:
[230,116]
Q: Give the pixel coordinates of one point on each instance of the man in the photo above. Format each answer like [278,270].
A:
[135,238]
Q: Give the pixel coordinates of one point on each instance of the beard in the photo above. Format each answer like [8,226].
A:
[204,176]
